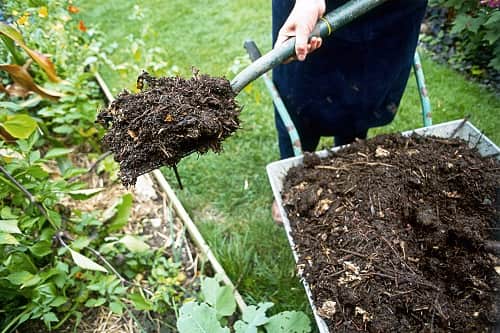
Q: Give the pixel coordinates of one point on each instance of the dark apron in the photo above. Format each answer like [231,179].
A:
[355,81]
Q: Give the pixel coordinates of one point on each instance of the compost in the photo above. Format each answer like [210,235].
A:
[168,119]
[395,234]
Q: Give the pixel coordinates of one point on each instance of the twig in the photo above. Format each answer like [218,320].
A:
[30,196]
[354,253]
[462,123]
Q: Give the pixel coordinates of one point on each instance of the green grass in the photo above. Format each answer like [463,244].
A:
[235,218]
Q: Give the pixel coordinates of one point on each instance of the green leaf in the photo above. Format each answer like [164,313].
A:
[289,322]
[134,244]
[199,318]
[85,262]
[6,213]
[11,106]
[50,317]
[63,129]
[41,248]
[58,301]
[18,278]
[116,307]
[57,152]
[253,317]
[122,213]
[140,303]
[85,194]
[220,297]
[20,126]
[92,302]
[7,239]
[9,226]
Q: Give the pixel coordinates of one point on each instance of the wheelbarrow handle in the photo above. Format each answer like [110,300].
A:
[252,49]
[331,22]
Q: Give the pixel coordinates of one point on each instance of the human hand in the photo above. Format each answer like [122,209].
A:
[299,24]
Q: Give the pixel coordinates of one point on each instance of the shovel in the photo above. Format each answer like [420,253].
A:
[331,22]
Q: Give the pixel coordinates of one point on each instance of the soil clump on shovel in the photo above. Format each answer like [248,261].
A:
[395,234]
[170,118]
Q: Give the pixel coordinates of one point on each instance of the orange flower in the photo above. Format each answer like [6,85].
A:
[73,9]
[81,26]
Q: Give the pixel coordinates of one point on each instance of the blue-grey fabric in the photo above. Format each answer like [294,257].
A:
[355,81]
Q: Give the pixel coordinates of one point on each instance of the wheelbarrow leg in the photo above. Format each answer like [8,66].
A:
[254,53]
[422,90]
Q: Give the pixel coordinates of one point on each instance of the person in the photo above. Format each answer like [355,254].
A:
[345,84]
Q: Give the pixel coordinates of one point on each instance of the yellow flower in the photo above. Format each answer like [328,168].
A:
[23,20]
[43,12]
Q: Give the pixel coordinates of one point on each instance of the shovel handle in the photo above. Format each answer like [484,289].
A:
[331,22]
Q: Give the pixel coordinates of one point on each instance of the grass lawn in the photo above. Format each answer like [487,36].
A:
[228,195]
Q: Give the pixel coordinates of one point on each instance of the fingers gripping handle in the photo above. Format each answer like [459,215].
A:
[331,22]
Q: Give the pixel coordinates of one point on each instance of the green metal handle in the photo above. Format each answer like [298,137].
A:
[331,22]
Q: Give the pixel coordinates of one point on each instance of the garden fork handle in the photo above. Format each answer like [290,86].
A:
[331,22]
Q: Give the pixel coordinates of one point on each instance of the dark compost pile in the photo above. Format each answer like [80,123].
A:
[170,118]
[395,234]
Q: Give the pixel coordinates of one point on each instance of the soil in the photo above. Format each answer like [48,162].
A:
[170,118]
[395,234]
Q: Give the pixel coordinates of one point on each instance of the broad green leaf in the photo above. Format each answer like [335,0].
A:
[199,318]
[85,194]
[289,322]
[18,278]
[23,279]
[85,262]
[256,315]
[116,307]
[11,106]
[20,126]
[253,317]
[7,239]
[11,32]
[93,302]
[57,152]
[140,303]
[58,301]
[9,226]
[23,78]
[134,244]
[50,317]
[221,298]
[6,213]
[41,248]
[122,213]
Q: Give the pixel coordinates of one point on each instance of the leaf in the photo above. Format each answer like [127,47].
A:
[199,318]
[18,278]
[134,244]
[85,193]
[20,126]
[140,302]
[122,213]
[85,262]
[20,75]
[9,226]
[41,248]
[11,106]
[116,307]
[57,152]
[93,302]
[7,239]
[42,60]
[289,322]
[220,297]
[257,315]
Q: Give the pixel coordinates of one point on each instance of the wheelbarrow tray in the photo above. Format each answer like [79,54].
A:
[277,171]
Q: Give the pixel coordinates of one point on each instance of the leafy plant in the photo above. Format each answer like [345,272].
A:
[476,28]
[219,302]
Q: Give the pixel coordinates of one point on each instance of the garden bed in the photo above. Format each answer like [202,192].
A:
[393,234]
